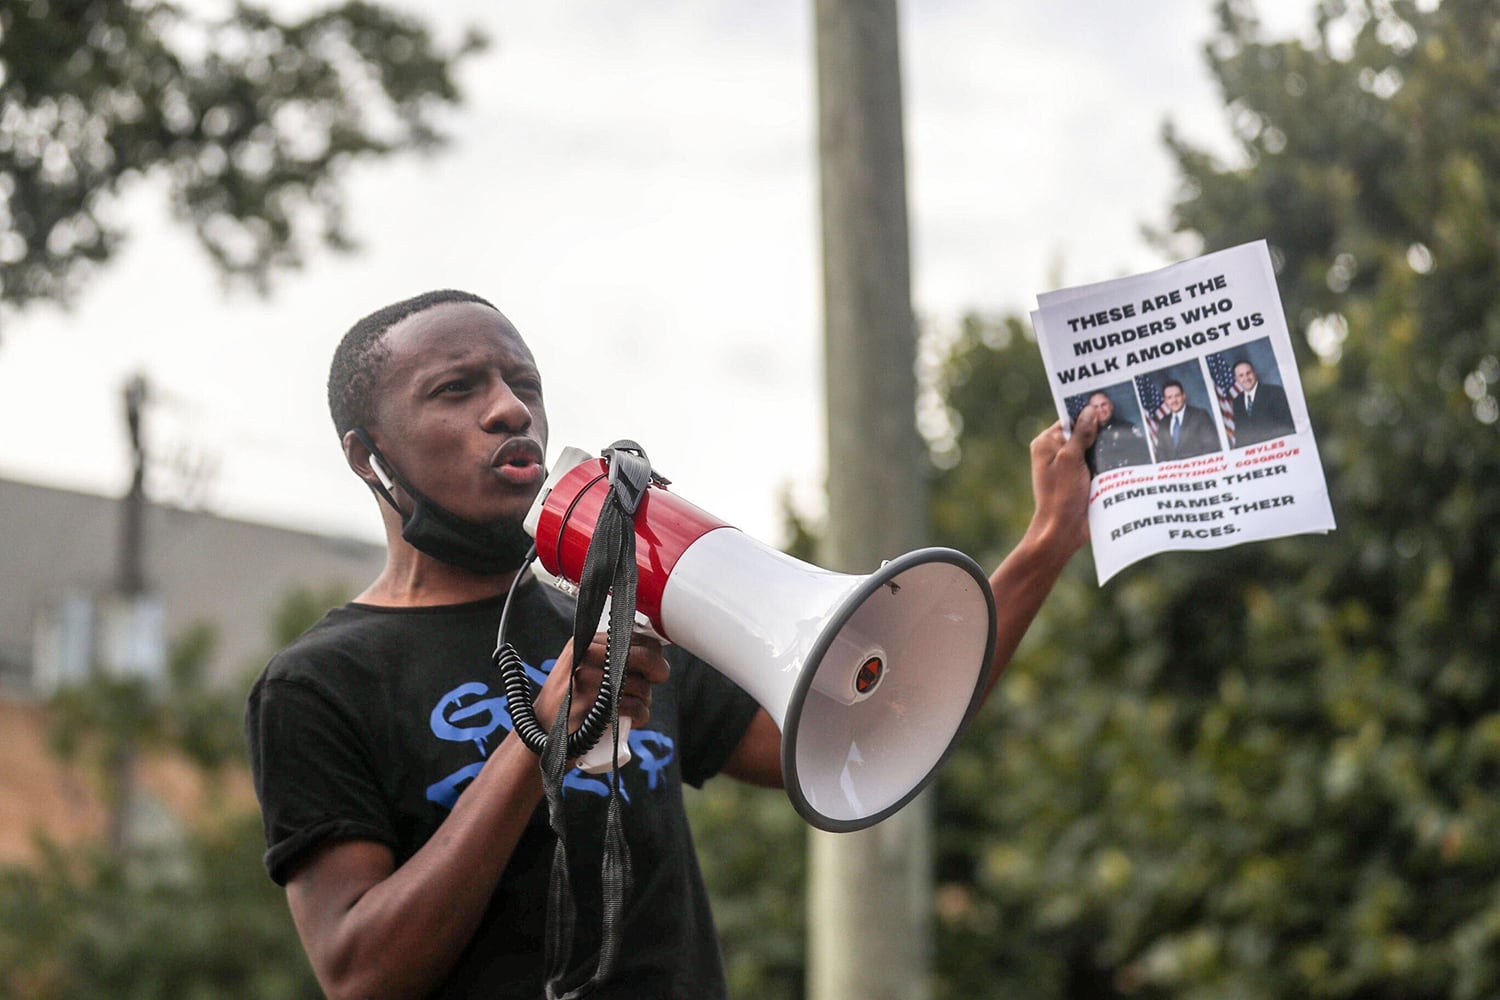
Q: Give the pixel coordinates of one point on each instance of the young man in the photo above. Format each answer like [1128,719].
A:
[401,813]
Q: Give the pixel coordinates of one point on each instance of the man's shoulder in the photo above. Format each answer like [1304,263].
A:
[358,632]
[332,636]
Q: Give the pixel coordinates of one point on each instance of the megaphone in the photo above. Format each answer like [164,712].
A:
[871,678]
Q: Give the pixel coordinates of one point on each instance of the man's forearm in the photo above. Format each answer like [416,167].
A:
[399,935]
[1021,585]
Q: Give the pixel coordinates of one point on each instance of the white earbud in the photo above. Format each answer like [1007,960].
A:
[381,474]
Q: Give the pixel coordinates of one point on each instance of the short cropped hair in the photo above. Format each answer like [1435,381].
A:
[361,356]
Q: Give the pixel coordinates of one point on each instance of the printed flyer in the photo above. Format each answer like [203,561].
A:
[1204,440]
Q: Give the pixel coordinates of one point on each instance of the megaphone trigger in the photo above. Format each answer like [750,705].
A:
[601,756]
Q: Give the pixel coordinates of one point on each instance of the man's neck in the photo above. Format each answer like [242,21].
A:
[411,579]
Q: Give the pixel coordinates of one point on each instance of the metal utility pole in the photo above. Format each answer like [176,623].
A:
[870,894]
[131,577]
[130,590]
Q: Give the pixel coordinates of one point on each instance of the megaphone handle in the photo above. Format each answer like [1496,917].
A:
[599,759]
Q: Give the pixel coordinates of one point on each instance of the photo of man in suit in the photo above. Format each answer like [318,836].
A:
[1260,410]
[1187,430]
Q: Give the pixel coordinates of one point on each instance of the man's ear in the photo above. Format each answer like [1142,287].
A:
[365,465]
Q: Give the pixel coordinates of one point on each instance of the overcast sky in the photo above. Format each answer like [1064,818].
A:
[635,186]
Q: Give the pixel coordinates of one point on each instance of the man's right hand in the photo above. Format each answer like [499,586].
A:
[645,667]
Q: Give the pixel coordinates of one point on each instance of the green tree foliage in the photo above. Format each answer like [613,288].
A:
[197,918]
[1271,771]
[96,722]
[204,922]
[754,863]
[249,121]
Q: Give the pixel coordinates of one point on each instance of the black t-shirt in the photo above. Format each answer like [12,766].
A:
[372,723]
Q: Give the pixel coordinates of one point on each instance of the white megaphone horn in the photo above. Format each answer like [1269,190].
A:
[871,678]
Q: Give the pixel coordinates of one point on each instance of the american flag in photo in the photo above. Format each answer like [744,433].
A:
[1223,375]
[1151,405]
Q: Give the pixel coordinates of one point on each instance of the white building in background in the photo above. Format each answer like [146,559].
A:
[60,613]
[62,617]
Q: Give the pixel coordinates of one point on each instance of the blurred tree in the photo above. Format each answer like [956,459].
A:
[202,922]
[160,921]
[91,721]
[755,866]
[1271,771]
[249,121]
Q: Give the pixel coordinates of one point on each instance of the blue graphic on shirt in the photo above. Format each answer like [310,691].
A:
[452,710]
[470,713]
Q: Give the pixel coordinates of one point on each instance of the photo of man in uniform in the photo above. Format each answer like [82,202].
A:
[1120,442]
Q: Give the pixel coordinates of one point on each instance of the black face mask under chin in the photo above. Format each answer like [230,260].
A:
[488,549]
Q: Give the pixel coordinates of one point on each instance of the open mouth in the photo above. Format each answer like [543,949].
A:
[520,461]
